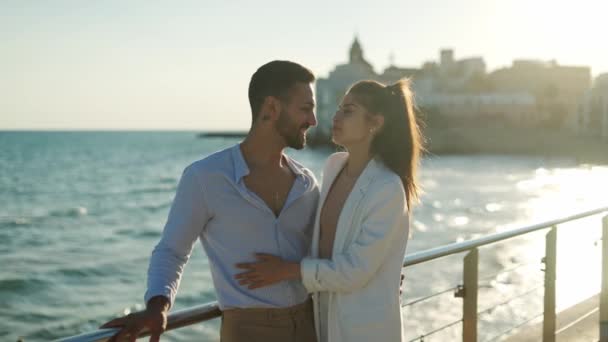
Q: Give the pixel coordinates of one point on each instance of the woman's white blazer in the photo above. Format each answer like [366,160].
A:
[363,275]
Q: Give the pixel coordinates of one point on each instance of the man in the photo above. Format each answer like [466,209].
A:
[247,199]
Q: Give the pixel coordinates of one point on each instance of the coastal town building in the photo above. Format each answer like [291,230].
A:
[558,89]
[330,90]
[593,111]
[529,93]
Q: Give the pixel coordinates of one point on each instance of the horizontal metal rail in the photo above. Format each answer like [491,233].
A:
[177,319]
[458,247]
[422,299]
[434,331]
[211,310]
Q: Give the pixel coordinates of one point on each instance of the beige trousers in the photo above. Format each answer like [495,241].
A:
[294,324]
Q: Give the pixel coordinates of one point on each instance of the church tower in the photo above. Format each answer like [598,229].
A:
[356,52]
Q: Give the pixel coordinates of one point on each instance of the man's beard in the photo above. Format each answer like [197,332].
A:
[290,132]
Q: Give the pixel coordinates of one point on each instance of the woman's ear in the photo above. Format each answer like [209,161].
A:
[378,122]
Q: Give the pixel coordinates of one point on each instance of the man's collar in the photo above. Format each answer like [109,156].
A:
[240,165]
[241,169]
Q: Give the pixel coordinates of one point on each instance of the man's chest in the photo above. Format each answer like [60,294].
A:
[241,219]
[272,188]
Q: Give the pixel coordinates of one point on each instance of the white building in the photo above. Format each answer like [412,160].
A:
[593,111]
[329,91]
[526,94]
[517,108]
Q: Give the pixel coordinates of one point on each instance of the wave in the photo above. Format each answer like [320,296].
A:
[13,222]
[156,207]
[154,189]
[22,286]
[90,273]
[69,212]
[149,233]
[25,221]
[168,180]
[140,233]
[149,207]
[55,328]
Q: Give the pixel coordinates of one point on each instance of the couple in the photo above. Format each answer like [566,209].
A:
[290,261]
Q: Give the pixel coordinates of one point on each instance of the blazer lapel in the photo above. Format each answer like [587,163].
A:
[328,179]
[345,228]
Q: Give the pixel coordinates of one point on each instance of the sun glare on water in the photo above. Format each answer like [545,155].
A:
[564,192]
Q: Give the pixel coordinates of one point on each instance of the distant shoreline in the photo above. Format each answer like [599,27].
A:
[503,140]
[476,138]
[222,134]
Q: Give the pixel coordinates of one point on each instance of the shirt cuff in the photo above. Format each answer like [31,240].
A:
[167,293]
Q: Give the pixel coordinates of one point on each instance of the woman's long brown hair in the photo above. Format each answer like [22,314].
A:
[399,142]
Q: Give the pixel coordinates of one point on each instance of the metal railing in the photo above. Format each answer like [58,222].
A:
[468,291]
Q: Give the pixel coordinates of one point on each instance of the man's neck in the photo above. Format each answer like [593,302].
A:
[262,149]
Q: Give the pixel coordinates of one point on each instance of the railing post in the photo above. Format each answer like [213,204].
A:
[469,304]
[550,261]
[604,293]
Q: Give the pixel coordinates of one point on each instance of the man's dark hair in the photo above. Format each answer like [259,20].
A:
[275,79]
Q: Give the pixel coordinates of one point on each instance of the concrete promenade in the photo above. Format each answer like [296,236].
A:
[575,324]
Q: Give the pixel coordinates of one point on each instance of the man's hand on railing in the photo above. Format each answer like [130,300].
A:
[153,319]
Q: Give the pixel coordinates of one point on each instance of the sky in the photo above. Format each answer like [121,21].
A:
[186,65]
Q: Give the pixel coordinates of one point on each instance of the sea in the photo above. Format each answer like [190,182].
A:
[81,211]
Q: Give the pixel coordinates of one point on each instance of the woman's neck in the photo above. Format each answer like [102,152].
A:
[357,160]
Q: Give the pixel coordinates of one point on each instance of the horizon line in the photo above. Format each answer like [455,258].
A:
[60,130]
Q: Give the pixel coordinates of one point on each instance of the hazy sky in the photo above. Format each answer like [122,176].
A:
[186,64]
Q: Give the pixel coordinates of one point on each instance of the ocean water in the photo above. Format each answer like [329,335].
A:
[81,211]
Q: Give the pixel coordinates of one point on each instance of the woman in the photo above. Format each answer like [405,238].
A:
[362,223]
